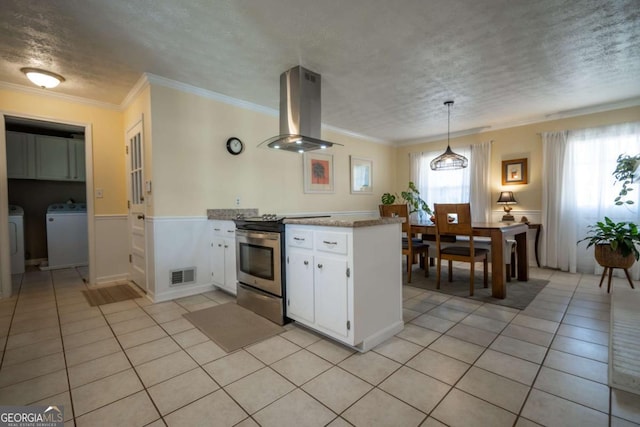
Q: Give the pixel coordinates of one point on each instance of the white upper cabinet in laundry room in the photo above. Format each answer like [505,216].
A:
[21,161]
[59,159]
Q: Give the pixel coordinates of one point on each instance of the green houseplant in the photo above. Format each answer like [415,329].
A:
[616,243]
[410,196]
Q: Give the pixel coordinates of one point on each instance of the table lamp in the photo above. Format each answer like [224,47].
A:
[506,198]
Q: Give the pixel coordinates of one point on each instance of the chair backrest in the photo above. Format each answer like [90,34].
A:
[453,219]
[400,210]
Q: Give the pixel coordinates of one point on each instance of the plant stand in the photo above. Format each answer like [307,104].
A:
[610,259]
[610,270]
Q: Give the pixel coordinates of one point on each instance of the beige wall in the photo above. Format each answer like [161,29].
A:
[193,170]
[514,143]
[107,131]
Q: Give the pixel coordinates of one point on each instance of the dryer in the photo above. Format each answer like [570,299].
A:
[67,237]
[16,239]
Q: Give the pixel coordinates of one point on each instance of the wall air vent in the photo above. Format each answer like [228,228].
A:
[183,276]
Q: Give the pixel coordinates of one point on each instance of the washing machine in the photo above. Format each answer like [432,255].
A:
[67,238]
[16,239]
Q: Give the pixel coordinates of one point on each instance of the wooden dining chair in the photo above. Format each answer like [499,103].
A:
[410,246]
[455,219]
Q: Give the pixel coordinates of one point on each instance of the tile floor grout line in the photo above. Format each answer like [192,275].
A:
[64,353]
[13,314]
[555,334]
[116,373]
[198,366]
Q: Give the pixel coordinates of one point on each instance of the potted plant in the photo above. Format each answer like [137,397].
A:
[616,243]
[410,196]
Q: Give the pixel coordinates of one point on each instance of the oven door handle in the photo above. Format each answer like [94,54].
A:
[254,236]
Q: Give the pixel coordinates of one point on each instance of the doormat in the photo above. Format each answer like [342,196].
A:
[231,326]
[110,294]
[519,294]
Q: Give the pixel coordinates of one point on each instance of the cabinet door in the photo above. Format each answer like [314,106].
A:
[52,158]
[331,296]
[76,160]
[20,156]
[217,262]
[230,265]
[300,294]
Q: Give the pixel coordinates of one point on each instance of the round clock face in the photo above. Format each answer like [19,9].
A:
[234,146]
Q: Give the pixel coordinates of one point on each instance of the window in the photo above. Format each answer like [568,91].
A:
[452,186]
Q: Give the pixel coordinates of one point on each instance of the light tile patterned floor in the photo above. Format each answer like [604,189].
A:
[457,362]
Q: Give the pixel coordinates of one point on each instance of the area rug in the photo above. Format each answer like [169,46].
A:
[231,326]
[110,294]
[624,340]
[519,294]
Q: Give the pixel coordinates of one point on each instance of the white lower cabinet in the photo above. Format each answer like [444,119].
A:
[223,255]
[331,287]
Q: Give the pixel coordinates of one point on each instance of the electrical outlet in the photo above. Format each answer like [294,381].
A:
[238,201]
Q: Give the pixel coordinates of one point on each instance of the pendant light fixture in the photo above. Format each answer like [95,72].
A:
[42,78]
[449,160]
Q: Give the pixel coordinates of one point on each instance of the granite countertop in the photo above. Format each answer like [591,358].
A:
[229,214]
[344,221]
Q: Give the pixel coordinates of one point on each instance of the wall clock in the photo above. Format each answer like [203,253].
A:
[235,146]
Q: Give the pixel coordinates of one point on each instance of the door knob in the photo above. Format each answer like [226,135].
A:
[141,216]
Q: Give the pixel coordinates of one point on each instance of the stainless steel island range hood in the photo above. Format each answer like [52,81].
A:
[300,113]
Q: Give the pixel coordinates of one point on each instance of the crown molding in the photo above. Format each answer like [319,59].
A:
[357,135]
[209,94]
[135,90]
[50,94]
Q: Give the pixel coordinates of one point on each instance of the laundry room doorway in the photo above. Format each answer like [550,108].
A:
[46,174]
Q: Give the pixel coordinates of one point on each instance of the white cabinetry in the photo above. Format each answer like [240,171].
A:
[21,160]
[345,282]
[223,255]
[59,159]
[45,157]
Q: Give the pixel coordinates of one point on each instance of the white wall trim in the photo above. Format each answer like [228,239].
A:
[138,87]
[209,94]
[52,94]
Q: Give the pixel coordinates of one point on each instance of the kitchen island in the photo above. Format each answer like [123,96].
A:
[344,277]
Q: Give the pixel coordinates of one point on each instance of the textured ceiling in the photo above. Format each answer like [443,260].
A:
[387,66]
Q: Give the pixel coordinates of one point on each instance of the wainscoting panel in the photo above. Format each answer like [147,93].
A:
[112,253]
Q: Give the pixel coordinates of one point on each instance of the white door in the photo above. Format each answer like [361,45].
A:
[137,239]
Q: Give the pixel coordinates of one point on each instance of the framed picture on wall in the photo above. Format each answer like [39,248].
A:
[514,171]
[361,176]
[318,173]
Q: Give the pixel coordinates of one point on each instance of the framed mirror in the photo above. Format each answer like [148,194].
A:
[361,175]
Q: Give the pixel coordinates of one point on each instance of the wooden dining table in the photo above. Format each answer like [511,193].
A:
[498,232]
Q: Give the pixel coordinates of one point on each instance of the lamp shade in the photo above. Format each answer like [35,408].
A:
[449,160]
[42,78]
[506,197]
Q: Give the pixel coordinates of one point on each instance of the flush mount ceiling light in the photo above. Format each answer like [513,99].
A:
[449,160]
[42,78]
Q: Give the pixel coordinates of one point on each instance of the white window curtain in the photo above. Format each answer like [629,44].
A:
[470,185]
[579,190]
[480,182]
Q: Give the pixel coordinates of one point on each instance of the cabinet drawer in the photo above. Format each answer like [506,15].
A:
[223,228]
[331,242]
[300,238]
